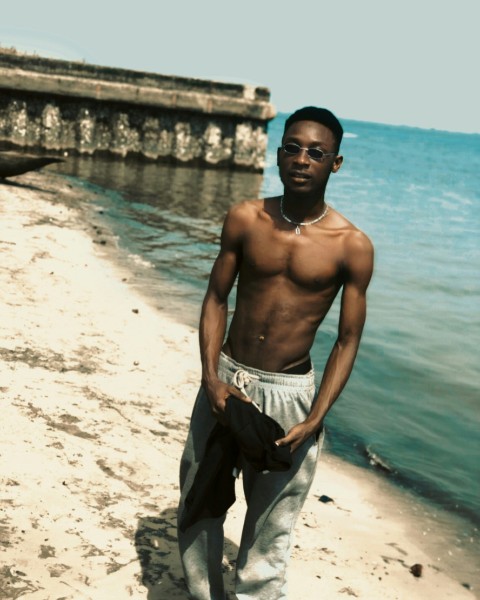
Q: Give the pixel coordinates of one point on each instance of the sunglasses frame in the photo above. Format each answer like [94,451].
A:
[320,158]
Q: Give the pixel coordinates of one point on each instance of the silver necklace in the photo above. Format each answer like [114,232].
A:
[302,223]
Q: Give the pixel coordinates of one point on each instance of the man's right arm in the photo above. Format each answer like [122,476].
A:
[213,320]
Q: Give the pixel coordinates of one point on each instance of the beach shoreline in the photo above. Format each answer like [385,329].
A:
[97,387]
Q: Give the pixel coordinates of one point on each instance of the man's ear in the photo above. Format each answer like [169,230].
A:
[337,163]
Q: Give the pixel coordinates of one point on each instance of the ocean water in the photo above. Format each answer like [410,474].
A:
[411,407]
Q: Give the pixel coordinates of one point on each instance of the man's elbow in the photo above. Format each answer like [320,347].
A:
[349,341]
[214,300]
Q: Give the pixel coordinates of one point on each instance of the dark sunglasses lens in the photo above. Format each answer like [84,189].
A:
[291,148]
[315,153]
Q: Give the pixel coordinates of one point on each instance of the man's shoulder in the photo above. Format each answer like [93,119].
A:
[354,237]
[248,205]
[357,250]
[240,218]
[246,211]
[357,240]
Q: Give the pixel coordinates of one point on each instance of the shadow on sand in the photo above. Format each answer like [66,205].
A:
[157,550]
[24,186]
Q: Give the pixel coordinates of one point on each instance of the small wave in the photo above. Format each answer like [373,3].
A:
[348,134]
[377,461]
[138,260]
[458,198]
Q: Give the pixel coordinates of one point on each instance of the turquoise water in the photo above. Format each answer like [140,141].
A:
[412,400]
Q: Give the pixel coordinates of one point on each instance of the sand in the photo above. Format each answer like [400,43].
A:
[97,386]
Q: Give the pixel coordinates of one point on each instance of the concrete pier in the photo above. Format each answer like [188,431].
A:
[60,106]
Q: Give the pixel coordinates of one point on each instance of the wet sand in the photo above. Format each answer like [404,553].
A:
[97,387]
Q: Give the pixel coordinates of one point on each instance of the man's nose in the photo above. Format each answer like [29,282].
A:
[302,157]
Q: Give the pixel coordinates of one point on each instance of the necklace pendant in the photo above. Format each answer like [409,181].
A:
[297,230]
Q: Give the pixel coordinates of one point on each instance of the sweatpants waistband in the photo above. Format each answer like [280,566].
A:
[229,366]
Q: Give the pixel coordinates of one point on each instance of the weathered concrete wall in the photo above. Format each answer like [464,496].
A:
[65,106]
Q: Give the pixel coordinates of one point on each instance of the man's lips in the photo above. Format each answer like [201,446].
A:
[299,175]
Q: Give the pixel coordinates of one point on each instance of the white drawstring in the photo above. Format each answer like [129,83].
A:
[241,378]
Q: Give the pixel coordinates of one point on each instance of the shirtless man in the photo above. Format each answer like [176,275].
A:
[292,255]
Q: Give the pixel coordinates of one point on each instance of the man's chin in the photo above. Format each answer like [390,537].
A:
[300,188]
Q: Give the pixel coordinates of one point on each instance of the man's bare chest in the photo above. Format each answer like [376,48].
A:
[312,262]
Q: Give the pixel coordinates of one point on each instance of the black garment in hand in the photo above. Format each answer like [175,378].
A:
[248,431]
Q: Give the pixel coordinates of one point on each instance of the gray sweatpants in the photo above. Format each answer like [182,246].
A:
[274,499]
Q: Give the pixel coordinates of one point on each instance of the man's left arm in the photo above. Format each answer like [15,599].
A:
[358,272]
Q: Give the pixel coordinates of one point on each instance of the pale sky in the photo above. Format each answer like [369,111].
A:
[407,62]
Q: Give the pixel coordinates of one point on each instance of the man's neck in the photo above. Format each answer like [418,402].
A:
[301,206]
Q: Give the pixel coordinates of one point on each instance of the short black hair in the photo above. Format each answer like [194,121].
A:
[320,115]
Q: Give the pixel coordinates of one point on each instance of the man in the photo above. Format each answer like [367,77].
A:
[292,255]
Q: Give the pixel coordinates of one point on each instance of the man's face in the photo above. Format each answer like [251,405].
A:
[300,173]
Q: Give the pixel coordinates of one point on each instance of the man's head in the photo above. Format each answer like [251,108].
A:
[319,115]
[310,151]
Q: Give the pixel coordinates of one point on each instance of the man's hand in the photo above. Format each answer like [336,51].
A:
[218,393]
[297,435]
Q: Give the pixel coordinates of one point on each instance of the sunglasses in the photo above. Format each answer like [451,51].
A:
[313,153]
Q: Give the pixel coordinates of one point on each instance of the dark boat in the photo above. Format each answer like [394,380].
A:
[16,163]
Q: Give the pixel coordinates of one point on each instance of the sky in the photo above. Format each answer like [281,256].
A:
[408,62]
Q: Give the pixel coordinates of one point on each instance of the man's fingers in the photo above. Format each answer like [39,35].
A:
[238,394]
[286,441]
